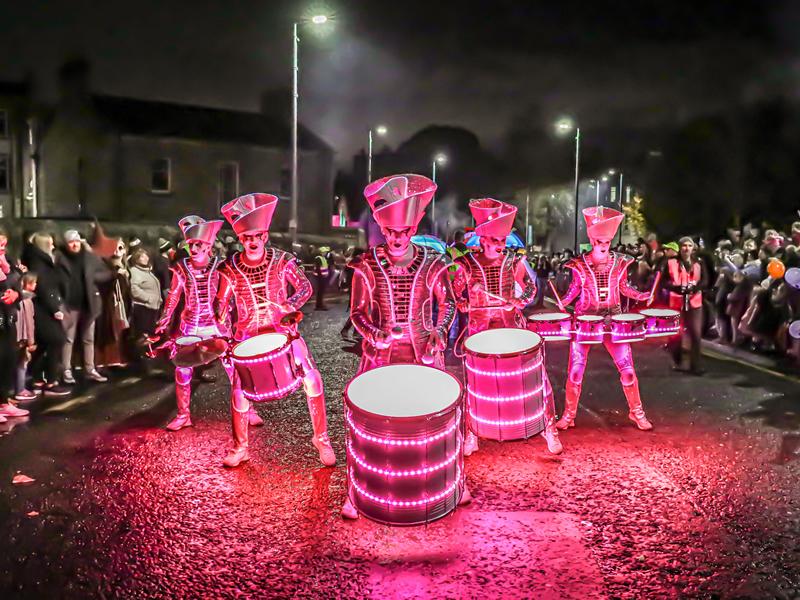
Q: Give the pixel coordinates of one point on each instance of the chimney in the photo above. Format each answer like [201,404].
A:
[73,82]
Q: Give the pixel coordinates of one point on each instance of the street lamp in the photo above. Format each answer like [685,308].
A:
[440,159]
[564,127]
[380,130]
[316,20]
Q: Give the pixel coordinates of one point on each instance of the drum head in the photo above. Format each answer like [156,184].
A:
[553,316]
[187,340]
[501,342]
[403,391]
[659,312]
[259,345]
[591,318]
[628,317]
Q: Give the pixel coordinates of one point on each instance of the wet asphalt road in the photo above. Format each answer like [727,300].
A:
[704,506]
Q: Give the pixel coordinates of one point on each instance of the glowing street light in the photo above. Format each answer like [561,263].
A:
[380,130]
[564,126]
[315,20]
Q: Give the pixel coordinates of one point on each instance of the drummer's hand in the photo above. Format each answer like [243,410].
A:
[383,340]
[435,341]
[477,288]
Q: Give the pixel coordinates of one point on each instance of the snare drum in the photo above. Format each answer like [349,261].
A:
[266,368]
[405,456]
[589,329]
[505,388]
[553,327]
[627,328]
[662,322]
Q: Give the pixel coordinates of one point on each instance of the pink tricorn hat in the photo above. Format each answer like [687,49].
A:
[492,217]
[250,213]
[602,222]
[399,200]
[196,228]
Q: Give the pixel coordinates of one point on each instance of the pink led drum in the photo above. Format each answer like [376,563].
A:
[266,367]
[553,327]
[504,383]
[405,457]
[627,328]
[661,322]
[589,329]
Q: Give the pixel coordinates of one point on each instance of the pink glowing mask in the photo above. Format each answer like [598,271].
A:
[254,244]
[492,246]
[600,248]
[398,239]
[199,252]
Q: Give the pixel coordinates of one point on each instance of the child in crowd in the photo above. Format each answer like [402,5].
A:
[25,335]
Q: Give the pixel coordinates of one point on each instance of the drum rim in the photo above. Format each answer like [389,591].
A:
[352,407]
[564,317]
[536,347]
[262,354]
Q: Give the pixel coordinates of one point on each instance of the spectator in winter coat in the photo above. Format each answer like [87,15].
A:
[146,294]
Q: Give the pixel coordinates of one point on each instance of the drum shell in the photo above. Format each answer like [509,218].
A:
[417,443]
[589,331]
[517,376]
[269,376]
[662,325]
[628,331]
[555,330]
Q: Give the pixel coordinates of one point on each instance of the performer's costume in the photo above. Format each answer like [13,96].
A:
[197,285]
[261,296]
[485,289]
[598,286]
[391,305]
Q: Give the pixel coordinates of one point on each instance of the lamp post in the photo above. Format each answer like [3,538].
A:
[381,131]
[316,20]
[440,159]
[563,127]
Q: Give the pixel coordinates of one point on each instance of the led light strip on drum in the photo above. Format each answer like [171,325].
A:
[503,423]
[391,442]
[407,473]
[265,358]
[274,393]
[514,373]
[406,503]
[516,398]
[663,330]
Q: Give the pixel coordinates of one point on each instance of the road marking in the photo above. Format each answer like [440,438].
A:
[719,356]
[81,400]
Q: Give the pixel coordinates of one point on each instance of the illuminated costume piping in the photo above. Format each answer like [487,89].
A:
[258,280]
[599,277]
[485,285]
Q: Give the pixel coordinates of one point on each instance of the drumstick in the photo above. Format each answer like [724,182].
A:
[655,287]
[555,293]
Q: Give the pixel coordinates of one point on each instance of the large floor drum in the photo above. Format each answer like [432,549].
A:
[405,456]
[505,388]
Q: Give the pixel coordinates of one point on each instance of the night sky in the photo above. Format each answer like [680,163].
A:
[410,63]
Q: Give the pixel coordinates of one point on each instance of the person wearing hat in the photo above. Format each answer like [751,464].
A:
[162,261]
[599,279]
[195,280]
[83,304]
[258,279]
[396,283]
[322,273]
[685,277]
[485,288]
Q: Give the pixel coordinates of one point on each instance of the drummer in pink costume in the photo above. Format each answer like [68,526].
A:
[485,286]
[195,279]
[598,278]
[259,279]
[396,283]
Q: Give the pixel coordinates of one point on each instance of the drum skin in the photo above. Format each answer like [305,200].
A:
[505,388]
[404,467]
[628,328]
[265,365]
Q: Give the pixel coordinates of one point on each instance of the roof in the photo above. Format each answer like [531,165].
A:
[163,119]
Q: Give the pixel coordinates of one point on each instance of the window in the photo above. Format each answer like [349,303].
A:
[3,123]
[160,176]
[228,182]
[5,173]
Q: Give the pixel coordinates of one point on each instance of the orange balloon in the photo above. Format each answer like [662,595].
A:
[776,268]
